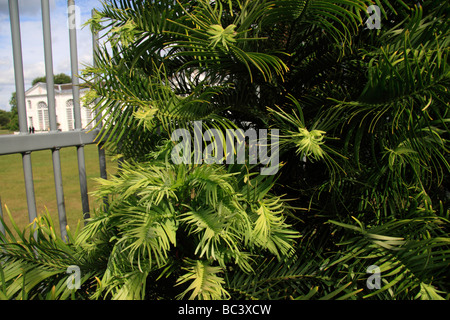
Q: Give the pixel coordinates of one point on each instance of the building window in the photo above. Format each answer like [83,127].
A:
[89,124]
[29,104]
[44,123]
[69,112]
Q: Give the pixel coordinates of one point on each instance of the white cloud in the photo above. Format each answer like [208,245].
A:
[26,7]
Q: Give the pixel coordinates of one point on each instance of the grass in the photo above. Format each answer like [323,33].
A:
[12,186]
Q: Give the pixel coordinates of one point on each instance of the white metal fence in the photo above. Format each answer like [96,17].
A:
[25,143]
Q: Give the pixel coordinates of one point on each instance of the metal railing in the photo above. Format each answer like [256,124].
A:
[25,143]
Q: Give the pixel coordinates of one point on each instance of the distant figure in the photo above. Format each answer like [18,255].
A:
[32,129]
[29,130]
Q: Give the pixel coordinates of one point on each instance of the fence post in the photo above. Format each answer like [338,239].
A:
[76,105]
[52,115]
[21,108]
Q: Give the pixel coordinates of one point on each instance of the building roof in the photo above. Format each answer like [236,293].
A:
[40,89]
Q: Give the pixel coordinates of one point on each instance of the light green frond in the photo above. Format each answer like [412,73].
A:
[203,280]
[270,230]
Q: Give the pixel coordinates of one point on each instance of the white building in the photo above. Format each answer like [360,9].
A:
[37,109]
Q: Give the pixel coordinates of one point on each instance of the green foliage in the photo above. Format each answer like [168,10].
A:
[35,261]
[13,124]
[205,284]
[363,119]
[412,255]
[4,119]
[202,219]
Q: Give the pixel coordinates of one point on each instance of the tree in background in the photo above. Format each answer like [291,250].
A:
[13,114]
[4,119]
[60,78]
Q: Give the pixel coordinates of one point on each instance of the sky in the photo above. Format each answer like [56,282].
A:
[32,42]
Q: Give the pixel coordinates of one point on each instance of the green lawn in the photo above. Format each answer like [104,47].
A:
[12,187]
